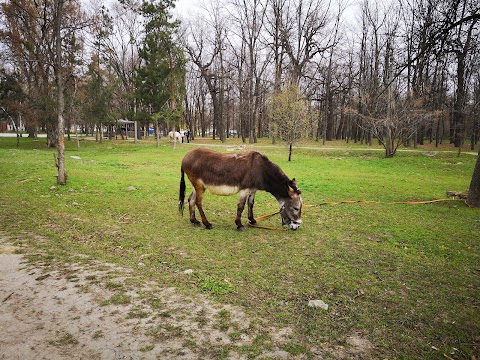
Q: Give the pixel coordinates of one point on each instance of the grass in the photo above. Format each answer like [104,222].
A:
[64,340]
[404,277]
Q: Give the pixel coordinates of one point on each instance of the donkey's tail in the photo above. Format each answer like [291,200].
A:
[181,196]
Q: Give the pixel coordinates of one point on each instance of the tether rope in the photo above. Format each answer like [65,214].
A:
[264,217]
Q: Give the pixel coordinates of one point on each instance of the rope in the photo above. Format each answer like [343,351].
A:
[423,202]
[377,202]
[266,227]
[342,202]
[264,217]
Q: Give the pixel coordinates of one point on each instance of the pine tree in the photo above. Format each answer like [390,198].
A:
[160,81]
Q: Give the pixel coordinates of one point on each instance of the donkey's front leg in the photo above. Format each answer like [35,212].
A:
[240,207]
[251,202]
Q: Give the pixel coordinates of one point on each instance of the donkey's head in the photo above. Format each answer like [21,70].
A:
[291,207]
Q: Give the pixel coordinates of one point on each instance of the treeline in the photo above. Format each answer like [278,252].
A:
[406,72]
[403,72]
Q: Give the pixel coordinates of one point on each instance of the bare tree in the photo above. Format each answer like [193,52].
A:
[29,38]
[249,19]
[204,48]
[302,34]
[119,50]
[62,176]
[462,44]
[473,198]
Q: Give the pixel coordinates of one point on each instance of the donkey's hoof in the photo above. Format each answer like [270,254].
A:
[197,224]
[241,228]
[209,226]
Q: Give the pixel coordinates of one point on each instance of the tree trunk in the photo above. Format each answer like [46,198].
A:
[458,107]
[62,177]
[473,198]
[157,134]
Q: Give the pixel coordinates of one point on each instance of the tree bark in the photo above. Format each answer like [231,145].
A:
[62,177]
[473,198]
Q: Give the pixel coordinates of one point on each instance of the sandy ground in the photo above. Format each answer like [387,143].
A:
[69,312]
[51,312]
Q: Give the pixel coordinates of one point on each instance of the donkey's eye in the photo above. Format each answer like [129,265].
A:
[295,208]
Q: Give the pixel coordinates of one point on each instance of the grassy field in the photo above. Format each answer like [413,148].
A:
[403,277]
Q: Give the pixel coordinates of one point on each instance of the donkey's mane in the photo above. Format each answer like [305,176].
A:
[275,180]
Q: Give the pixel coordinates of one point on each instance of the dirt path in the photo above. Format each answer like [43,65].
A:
[87,312]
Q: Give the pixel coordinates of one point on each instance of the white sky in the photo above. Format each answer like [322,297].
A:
[186,8]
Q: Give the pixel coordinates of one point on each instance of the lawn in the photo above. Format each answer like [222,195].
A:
[404,278]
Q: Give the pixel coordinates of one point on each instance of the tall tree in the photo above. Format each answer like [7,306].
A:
[205,43]
[160,81]
[119,51]
[62,175]
[473,198]
[462,43]
[12,99]
[302,34]
[97,106]
[250,24]
[30,38]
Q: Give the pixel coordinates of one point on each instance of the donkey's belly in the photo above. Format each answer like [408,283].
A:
[222,189]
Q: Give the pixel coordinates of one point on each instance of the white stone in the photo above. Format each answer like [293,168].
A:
[318,303]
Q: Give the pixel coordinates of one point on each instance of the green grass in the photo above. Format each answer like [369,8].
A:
[405,277]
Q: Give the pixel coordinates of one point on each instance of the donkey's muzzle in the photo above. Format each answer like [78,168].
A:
[294,225]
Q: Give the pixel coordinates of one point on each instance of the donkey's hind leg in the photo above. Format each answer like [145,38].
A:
[199,202]
[191,208]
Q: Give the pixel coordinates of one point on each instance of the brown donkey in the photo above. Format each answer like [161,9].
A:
[244,173]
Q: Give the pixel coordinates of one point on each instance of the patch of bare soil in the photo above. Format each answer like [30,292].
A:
[93,311]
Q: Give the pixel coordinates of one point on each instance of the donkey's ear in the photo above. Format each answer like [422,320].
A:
[291,191]
[292,187]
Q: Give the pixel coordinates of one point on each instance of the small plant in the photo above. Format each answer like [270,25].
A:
[155,303]
[137,314]
[66,339]
[147,348]
[215,286]
[224,320]
[117,299]
[201,318]
[234,336]
[259,344]
[98,334]
[294,349]
[113,285]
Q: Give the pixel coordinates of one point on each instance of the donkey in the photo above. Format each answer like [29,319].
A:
[244,173]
